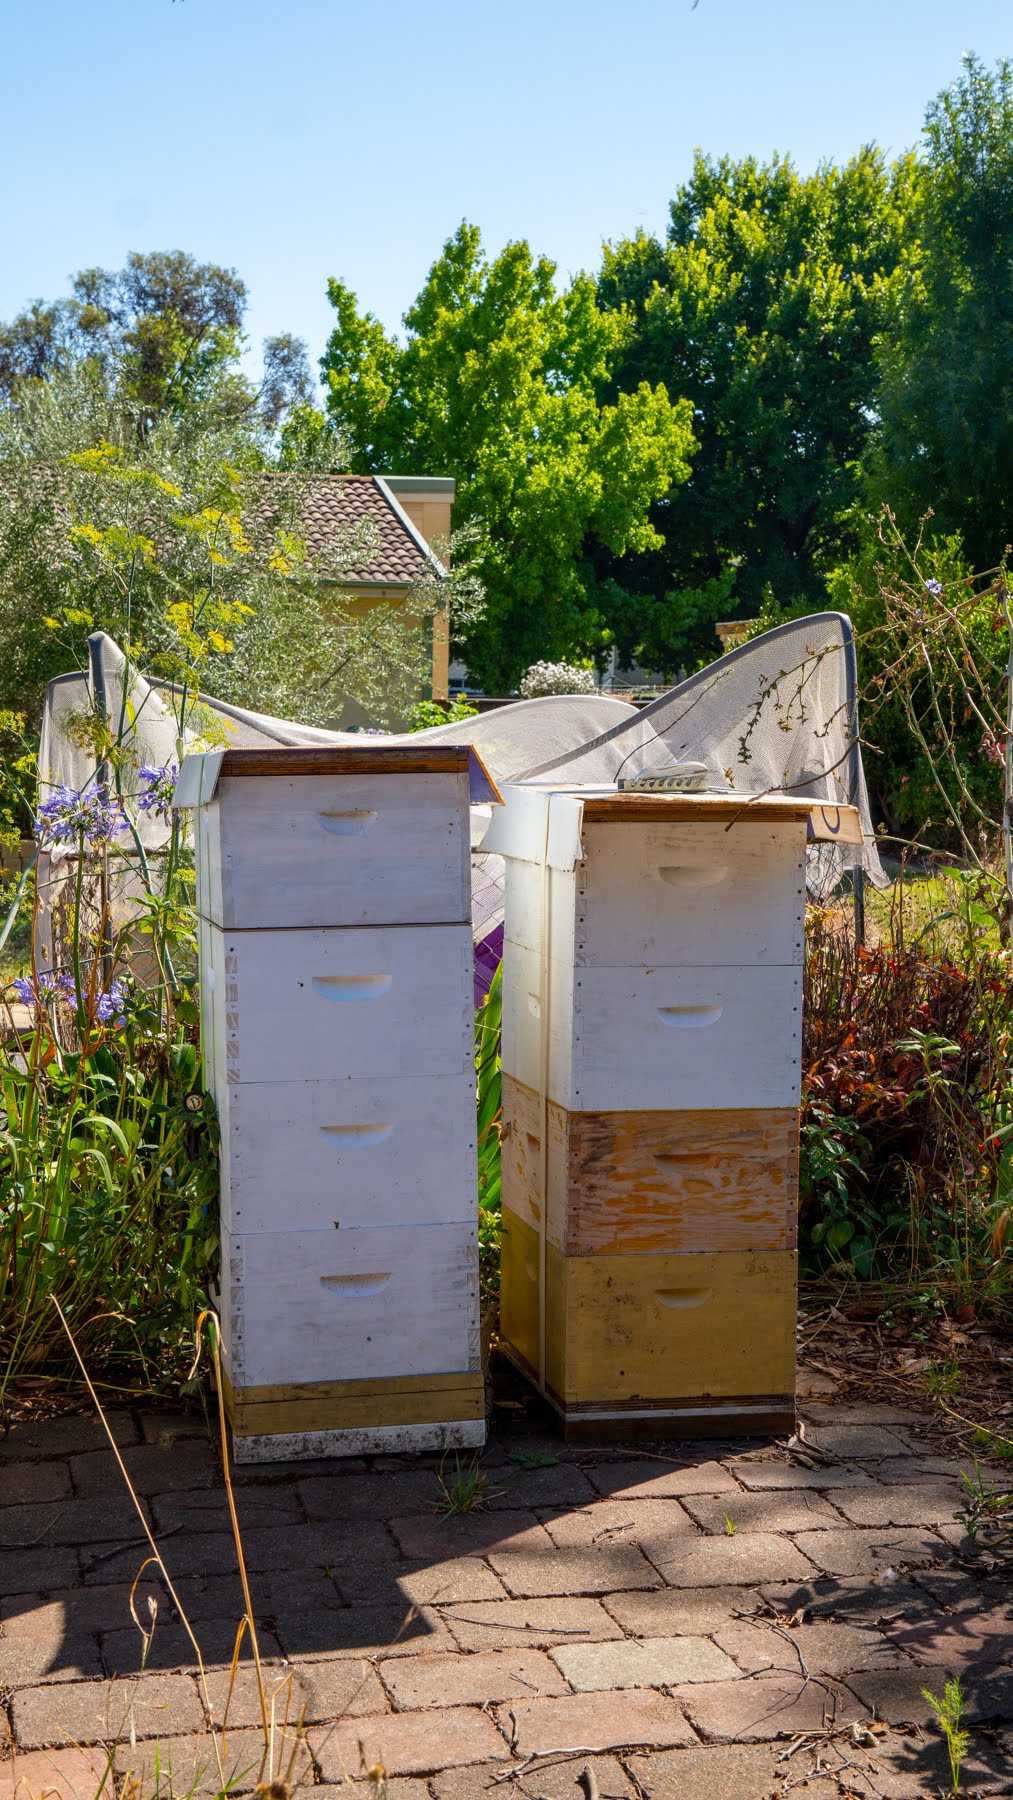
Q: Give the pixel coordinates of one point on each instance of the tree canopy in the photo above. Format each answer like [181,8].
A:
[499,382]
[762,308]
[168,328]
[946,394]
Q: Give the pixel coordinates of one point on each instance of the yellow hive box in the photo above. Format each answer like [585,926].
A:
[657,1344]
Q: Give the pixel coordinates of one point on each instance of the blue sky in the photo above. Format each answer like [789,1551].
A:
[296,139]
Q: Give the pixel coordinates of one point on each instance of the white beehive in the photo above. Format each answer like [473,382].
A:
[333,888]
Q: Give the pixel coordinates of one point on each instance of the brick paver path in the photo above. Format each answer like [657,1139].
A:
[707,1621]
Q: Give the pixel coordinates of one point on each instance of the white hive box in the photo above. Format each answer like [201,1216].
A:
[652,1028]
[333,888]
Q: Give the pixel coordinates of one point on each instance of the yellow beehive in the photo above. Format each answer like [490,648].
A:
[652,1017]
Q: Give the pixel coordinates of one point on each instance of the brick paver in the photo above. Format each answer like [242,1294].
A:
[750,1556]
[595,1570]
[667,1619]
[461,1680]
[869,1552]
[777,1511]
[645,1662]
[823,1649]
[409,1743]
[642,1480]
[534,1623]
[99,1711]
[52,1775]
[916,1503]
[555,1780]
[769,1706]
[594,1722]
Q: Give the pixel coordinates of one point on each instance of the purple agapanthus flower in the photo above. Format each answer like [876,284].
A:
[34,996]
[934,587]
[70,815]
[110,1004]
[157,796]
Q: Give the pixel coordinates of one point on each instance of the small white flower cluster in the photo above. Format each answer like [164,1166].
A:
[556,678]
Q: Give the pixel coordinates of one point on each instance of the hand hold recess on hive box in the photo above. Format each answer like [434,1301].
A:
[688,1017]
[361,1136]
[693,875]
[347,824]
[352,987]
[358,1287]
[683,1296]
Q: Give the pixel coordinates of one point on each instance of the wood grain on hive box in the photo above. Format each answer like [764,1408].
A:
[644,1329]
[667,895]
[628,1183]
[295,1005]
[355,1405]
[308,1306]
[625,1039]
[310,850]
[315,1155]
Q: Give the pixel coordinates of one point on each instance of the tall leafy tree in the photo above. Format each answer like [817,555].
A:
[498,381]
[947,355]
[167,330]
[762,307]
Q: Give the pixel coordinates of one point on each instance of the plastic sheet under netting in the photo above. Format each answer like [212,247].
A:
[779,713]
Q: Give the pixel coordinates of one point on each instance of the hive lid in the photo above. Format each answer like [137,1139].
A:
[200,772]
[544,824]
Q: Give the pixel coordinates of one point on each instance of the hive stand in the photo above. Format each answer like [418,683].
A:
[337,1022]
[652,1017]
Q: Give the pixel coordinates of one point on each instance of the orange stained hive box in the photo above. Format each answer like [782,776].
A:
[652,1018]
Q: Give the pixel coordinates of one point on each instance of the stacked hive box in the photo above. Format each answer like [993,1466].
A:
[652,1008]
[336,994]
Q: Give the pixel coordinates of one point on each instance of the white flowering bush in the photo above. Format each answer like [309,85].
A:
[557,678]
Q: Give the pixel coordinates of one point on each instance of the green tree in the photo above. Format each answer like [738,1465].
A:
[762,308]
[498,382]
[168,328]
[187,548]
[947,353]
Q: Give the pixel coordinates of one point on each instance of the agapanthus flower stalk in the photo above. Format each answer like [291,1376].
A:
[70,815]
[159,784]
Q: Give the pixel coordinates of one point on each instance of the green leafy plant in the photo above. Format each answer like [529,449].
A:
[532,1459]
[427,713]
[986,1504]
[463,1488]
[831,1190]
[948,1710]
[488,1028]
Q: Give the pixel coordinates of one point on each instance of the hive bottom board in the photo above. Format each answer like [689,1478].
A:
[659,1345]
[356,1418]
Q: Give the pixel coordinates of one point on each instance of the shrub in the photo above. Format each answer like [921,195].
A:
[556,678]
[903,1169]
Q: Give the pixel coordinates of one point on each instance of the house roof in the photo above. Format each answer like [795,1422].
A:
[331,504]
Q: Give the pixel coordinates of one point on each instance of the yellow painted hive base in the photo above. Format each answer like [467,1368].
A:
[653,1345]
[401,1413]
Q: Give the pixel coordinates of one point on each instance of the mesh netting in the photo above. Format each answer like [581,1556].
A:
[778,713]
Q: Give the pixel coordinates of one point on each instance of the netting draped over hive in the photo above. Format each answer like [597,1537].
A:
[778,713]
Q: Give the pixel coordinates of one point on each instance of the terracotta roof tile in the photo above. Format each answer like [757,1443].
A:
[329,504]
